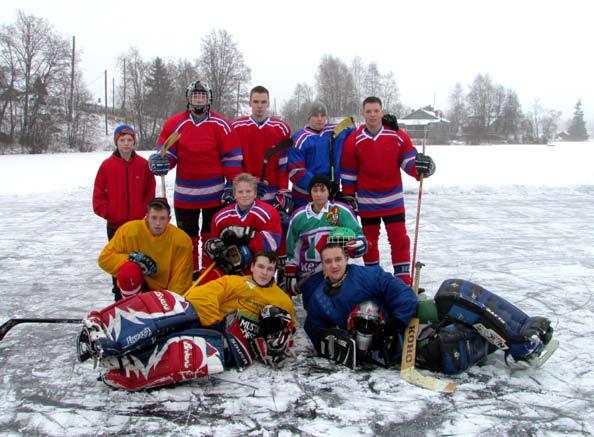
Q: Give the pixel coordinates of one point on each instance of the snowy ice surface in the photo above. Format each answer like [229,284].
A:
[517,220]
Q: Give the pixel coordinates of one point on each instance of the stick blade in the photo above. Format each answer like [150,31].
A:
[344,123]
[7,326]
[413,376]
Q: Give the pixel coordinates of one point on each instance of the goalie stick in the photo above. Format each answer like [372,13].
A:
[166,145]
[11,323]
[409,352]
[344,124]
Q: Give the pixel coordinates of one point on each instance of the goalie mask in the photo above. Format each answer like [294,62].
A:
[364,322]
[277,329]
[194,92]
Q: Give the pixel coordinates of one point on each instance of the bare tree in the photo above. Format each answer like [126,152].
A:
[457,111]
[390,95]
[222,66]
[137,70]
[335,86]
[38,55]
[294,111]
[481,105]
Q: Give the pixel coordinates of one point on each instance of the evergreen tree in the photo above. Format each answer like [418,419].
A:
[577,128]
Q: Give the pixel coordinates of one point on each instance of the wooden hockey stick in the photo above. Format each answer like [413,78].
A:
[344,124]
[409,353]
[11,323]
[171,139]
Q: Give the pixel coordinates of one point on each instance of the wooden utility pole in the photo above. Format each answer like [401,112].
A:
[106,132]
[237,102]
[113,95]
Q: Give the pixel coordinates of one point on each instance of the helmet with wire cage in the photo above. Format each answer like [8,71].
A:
[199,87]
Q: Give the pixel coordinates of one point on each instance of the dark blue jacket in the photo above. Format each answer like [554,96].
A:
[331,307]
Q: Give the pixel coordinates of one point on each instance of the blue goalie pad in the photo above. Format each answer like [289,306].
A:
[450,349]
[134,323]
[500,322]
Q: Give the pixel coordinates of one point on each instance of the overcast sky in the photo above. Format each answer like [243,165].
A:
[541,49]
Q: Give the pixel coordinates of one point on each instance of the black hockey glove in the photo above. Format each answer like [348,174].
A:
[146,263]
[425,165]
[215,248]
[390,121]
[227,198]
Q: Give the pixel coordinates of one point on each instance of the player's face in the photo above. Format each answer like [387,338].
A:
[317,121]
[373,113]
[244,194]
[263,271]
[157,221]
[259,102]
[198,98]
[319,195]
[125,145]
[334,263]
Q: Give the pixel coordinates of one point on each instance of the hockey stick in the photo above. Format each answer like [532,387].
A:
[418,217]
[11,323]
[284,144]
[344,124]
[166,145]
[409,352]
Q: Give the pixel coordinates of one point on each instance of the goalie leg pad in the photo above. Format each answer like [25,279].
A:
[499,321]
[450,349]
[136,322]
[182,356]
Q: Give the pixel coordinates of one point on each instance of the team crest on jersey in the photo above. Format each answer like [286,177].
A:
[333,216]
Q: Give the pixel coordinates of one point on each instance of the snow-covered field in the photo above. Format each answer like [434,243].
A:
[517,220]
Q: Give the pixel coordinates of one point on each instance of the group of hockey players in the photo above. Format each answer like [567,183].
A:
[217,290]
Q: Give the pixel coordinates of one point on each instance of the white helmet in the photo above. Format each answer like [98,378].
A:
[199,86]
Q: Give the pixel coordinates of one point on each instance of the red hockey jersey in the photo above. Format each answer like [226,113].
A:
[205,154]
[259,225]
[371,168]
[255,139]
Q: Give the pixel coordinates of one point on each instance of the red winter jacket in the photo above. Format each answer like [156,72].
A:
[123,189]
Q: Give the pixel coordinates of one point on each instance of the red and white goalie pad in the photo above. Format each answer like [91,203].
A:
[183,356]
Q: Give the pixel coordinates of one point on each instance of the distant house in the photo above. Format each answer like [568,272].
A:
[426,124]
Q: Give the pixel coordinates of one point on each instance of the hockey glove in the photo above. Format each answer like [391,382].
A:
[390,121]
[351,201]
[146,263]
[291,280]
[356,248]
[261,189]
[158,165]
[227,198]
[283,201]
[215,248]
[425,165]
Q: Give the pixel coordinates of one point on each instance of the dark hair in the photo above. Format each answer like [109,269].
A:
[159,203]
[372,99]
[268,254]
[332,246]
[260,90]
[320,179]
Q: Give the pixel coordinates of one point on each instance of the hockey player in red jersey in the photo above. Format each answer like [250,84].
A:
[242,229]
[258,133]
[206,154]
[372,158]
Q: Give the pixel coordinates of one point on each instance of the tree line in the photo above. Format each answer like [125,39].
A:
[44,100]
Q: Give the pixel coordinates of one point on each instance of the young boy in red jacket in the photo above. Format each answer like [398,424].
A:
[124,185]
